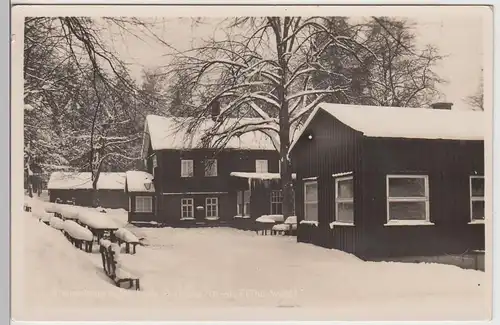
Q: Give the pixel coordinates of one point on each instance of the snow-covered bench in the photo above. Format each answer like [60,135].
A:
[43,216]
[286,228]
[68,212]
[79,236]
[126,236]
[56,223]
[265,223]
[112,265]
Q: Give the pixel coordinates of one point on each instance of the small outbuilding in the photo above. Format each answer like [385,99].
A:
[141,193]
[391,182]
[76,187]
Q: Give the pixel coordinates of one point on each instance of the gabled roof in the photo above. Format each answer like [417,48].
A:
[137,180]
[83,181]
[171,133]
[405,122]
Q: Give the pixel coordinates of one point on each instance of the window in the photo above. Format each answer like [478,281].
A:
[211,167]
[277,202]
[477,198]
[243,203]
[261,166]
[344,200]
[311,201]
[187,209]
[144,204]
[186,168]
[407,198]
[211,207]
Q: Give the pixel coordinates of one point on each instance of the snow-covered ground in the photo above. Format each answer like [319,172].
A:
[228,274]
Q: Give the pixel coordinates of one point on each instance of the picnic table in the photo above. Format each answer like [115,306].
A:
[265,223]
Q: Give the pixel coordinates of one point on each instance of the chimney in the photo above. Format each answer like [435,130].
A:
[442,105]
[215,109]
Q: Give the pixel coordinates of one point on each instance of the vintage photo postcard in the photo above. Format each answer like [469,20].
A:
[251,163]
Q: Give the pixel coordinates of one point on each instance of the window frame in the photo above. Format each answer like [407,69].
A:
[306,183]
[183,162]
[343,200]
[476,198]
[258,165]
[143,209]
[187,205]
[207,199]
[425,199]
[275,203]
[245,204]
[212,166]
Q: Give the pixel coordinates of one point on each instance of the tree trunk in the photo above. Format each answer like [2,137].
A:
[284,122]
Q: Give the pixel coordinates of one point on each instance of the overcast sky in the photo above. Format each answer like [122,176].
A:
[457,33]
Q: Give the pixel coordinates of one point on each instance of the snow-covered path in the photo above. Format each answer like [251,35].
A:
[223,268]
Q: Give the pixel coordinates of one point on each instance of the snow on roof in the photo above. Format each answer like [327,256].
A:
[111,181]
[82,181]
[253,175]
[137,180]
[406,122]
[171,133]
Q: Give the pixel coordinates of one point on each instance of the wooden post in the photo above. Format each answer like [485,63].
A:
[103,257]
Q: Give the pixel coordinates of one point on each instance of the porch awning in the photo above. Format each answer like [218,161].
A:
[261,176]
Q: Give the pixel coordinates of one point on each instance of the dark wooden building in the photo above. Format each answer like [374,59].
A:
[77,187]
[193,184]
[257,194]
[142,204]
[383,182]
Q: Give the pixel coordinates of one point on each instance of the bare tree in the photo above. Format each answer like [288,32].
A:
[72,72]
[263,68]
[403,75]
[476,101]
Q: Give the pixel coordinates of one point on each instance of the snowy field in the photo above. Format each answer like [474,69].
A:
[228,274]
